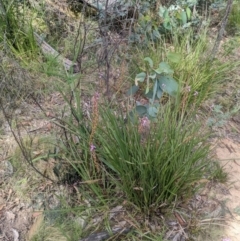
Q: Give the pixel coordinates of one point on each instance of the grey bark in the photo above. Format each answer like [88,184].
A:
[222,29]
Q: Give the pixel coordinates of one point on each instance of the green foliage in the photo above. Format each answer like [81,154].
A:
[199,78]
[188,72]
[147,163]
[218,172]
[16,30]
[219,118]
[154,24]
[175,17]
[231,45]
[151,163]
[162,82]
[155,165]
[233,25]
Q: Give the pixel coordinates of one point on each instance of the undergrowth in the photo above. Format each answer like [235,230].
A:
[151,162]
[108,153]
[198,77]
[233,26]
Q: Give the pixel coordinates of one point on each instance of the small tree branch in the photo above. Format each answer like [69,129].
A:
[222,29]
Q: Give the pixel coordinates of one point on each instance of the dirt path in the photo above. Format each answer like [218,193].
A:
[228,152]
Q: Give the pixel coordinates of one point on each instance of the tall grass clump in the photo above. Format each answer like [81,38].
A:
[233,25]
[154,162]
[16,30]
[198,77]
[151,163]
[188,55]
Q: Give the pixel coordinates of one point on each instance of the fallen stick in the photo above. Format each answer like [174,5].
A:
[47,49]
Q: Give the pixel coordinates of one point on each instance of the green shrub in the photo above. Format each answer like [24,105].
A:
[16,30]
[162,19]
[233,25]
[151,163]
[161,80]
[197,77]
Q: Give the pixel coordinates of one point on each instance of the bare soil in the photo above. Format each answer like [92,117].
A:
[228,153]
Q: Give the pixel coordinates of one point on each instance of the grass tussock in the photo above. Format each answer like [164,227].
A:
[197,76]
[151,162]
[155,163]
[233,25]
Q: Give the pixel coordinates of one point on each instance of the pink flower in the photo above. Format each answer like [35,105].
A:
[145,122]
[92,148]
[226,239]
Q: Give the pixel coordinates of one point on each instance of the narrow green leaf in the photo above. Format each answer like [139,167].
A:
[184,17]
[159,92]
[132,115]
[147,89]
[189,13]
[155,90]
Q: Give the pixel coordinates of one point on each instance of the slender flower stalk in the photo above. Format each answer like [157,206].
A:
[144,127]
[95,119]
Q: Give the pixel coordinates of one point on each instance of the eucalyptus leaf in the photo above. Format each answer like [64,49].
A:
[184,17]
[132,90]
[140,77]
[161,11]
[149,60]
[168,85]
[152,76]
[152,111]
[141,110]
[164,68]
[189,13]
[166,14]
[167,25]
[149,94]
[237,210]
[156,33]
[187,25]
